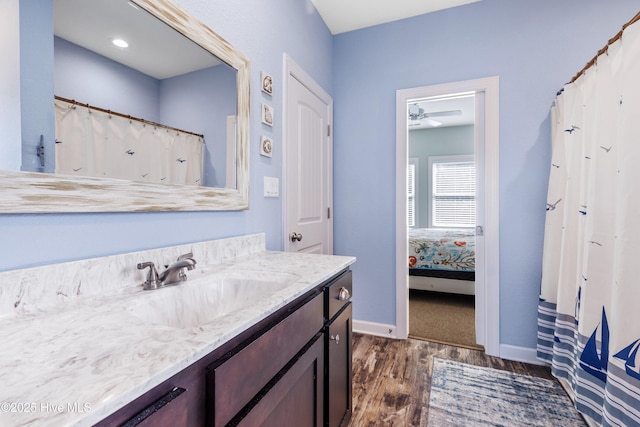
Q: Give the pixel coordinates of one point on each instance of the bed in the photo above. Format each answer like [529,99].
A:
[442,260]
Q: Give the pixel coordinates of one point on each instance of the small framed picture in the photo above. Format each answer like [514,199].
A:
[267,114]
[267,83]
[266,146]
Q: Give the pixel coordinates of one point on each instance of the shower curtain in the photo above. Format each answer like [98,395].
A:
[589,308]
[93,143]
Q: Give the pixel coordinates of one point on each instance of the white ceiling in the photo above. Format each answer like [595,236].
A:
[348,15]
[154,48]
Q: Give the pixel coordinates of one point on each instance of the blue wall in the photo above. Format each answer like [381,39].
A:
[263,31]
[534,47]
[200,101]
[90,78]
[35,83]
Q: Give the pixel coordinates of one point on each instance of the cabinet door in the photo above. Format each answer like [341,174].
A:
[339,376]
[234,382]
[296,396]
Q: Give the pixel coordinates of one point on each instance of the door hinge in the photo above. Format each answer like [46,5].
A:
[328,213]
[328,130]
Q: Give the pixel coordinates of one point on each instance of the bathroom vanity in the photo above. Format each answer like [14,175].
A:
[276,373]
[83,355]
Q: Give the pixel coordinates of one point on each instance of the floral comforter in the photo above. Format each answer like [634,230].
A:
[442,249]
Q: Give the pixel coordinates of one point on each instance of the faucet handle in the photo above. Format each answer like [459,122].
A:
[152,281]
[186,256]
[188,259]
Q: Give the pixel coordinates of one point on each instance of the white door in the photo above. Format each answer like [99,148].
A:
[308,168]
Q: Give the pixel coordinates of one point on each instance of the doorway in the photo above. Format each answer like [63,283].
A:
[486,229]
[441,207]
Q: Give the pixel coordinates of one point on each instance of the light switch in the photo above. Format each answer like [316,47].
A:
[271,187]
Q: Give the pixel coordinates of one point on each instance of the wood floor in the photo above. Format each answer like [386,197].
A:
[391,378]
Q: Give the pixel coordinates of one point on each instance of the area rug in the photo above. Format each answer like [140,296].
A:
[467,395]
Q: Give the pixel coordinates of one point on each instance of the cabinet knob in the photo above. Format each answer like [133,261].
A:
[343,294]
[335,338]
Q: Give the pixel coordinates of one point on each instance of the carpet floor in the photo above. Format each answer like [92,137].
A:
[468,395]
[443,318]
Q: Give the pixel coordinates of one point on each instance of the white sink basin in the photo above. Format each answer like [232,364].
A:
[200,301]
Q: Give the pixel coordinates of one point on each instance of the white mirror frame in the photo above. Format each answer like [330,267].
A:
[30,192]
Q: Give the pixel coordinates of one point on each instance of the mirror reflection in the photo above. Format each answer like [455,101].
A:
[136,100]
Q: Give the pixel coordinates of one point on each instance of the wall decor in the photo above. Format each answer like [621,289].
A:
[266,146]
[267,114]
[267,83]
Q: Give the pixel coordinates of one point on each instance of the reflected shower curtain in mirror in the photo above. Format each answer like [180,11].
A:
[93,143]
[589,308]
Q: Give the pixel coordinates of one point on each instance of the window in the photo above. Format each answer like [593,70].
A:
[412,191]
[453,191]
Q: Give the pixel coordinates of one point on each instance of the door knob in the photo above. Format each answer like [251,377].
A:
[295,237]
[335,338]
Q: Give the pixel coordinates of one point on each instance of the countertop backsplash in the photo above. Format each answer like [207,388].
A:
[37,289]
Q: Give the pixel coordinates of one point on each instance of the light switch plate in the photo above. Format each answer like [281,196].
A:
[271,187]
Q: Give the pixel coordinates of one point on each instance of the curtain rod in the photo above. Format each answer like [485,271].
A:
[147,122]
[604,49]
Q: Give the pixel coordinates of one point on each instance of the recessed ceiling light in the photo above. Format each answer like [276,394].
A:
[120,43]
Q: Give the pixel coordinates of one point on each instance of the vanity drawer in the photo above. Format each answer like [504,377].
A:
[233,383]
[337,294]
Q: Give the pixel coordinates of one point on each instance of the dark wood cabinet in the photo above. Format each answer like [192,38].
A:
[296,396]
[338,372]
[338,369]
[237,382]
[291,369]
[168,411]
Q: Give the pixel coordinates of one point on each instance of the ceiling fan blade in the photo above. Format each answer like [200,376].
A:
[425,123]
[443,113]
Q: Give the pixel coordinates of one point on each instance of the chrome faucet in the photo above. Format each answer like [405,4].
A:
[174,273]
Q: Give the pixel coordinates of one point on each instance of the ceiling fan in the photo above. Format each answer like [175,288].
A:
[416,113]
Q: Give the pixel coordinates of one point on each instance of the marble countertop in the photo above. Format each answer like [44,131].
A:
[77,363]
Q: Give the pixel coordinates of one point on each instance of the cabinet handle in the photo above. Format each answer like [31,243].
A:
[155,407]
[335,338]
[344,294]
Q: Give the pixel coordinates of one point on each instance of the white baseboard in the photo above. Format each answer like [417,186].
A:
[372,328]
[520,354]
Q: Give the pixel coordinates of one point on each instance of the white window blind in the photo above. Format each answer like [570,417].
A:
[453,201]
[411,193]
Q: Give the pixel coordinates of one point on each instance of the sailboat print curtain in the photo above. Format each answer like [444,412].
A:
[589,308]
[91,142]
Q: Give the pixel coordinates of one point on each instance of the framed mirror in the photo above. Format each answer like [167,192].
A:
[216,113]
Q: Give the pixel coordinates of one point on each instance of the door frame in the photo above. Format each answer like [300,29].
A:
[487,262]
[293,70]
